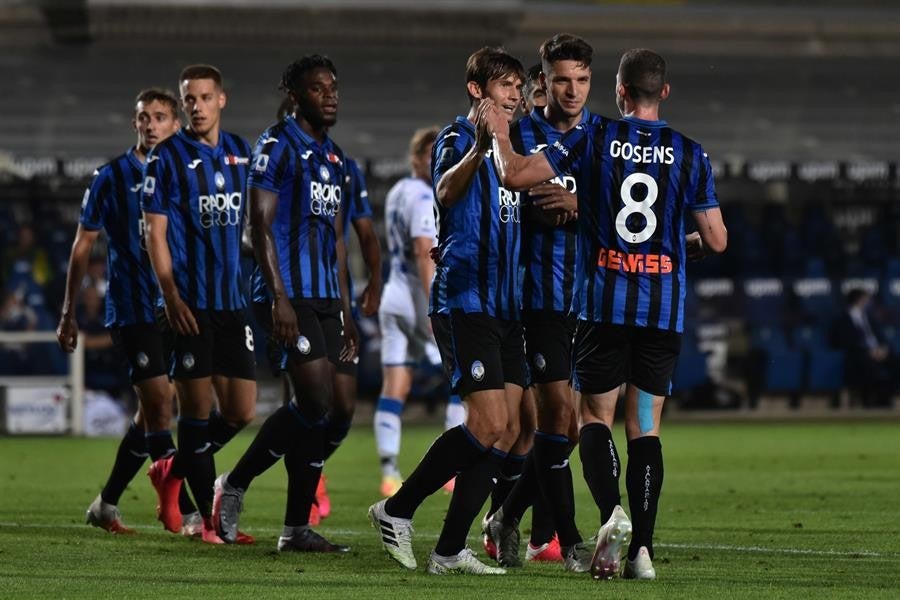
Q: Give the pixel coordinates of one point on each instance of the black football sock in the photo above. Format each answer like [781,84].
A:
[453,452]
[194,460]
[643,480]
[336,429]
[601,466]
[185,504]
[469,494]
[160,444]
[220,431]
[510,472]
[304,461]
[130,458]
[521,496]
[273,440]
[551,454]
[542,524]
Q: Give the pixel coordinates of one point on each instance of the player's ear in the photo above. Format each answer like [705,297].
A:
[621,91]
[223,99]
[543,79]
[664,93]
[474,90]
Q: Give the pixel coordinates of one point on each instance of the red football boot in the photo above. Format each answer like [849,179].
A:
[167,486]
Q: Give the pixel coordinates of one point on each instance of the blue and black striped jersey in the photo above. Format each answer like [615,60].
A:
[309,179]
[635,179]
[201,190]
[113,202]
[548,253]
[478,236]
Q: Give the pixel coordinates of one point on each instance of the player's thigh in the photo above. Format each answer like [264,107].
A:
[344,403]
[548,345]
[474,346]
[600,357]
[555,407]
[394,341]
[145,349]
[654,354]
[192,355]
[643,412]
[234,348]
[396,382]
[237,399]
[512,353]
[155,397]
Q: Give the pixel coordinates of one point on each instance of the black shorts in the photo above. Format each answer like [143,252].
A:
[224,347]
[548,344]
[147,348]
[321,325]
[606,356]
[480,352]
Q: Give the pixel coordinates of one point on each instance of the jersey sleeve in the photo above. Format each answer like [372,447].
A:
[359,206]
[93,201]
[156,191]
[705,191]
[269,164]
[448,150]
[421,216]
[566,154]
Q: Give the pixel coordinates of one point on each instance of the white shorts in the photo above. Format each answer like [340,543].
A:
[405,342]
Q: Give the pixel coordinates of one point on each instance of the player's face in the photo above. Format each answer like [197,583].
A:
[317,101]
[154,121]
[506,94]
[202,100]
[568,85]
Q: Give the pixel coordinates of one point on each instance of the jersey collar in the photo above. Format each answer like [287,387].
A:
[304,137]
[644,122]
[133,159]
[464,121]
[537,115]
[186,136]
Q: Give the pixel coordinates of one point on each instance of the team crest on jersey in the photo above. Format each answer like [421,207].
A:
[142,360]
[324,174]
[540,363]
[303,345]
[231,159]
[187,361]
[477,370]
[220,180]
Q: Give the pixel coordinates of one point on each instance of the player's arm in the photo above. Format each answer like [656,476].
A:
[263,204]
[67,330]
[246,239]
[713,236]
[178,313]
[351,336]
[371,249]
[425,266]
[517,172]
[452,183]
[552,204]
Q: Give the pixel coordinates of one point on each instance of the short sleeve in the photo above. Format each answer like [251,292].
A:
[269,163]
[154,194]
[359,193]
[705,192]
[565,154]
[448,150]
[93,200]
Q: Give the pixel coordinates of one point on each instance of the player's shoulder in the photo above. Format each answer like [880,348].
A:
[106,170]
[236,142]
[455,131]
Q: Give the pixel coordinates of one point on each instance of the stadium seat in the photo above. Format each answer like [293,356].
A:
[764,301]
[825,372]
[810,338]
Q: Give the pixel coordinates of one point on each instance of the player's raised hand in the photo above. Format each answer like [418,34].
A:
[483,132]
[694,244]
[180,317]
[284,322]
[67,333]
[351,340]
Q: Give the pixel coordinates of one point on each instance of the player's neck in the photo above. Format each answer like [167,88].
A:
[559,120]
[141,153]
[317,133]
[645,112]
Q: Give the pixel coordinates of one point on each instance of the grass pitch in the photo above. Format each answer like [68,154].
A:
[748,511]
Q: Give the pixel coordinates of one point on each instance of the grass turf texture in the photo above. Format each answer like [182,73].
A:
[748,511]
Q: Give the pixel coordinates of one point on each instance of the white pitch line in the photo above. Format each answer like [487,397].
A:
[358,532]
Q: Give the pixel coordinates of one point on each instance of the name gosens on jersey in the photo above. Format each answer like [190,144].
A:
[201,190]
[636,179]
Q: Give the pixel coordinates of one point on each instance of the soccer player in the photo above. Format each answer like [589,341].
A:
[193,203]
[636,178]
[406,337]
[112,202]
[534,94]
[300,294]
[548,257]
[475,317]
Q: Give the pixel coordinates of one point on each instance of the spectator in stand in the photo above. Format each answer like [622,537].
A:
[27,259]
[871,368]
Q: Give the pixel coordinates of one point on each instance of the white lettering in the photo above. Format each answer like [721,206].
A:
[220,210]
[325,199]
[642,154]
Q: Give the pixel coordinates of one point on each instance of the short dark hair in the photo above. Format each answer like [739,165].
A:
[565,46]
[533,76]
[285,108]
[643,73]
[158,95]
[420,140]
[201,72]
[489,63]
[292,77]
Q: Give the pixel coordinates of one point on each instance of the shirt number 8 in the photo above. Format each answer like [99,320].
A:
[632,206]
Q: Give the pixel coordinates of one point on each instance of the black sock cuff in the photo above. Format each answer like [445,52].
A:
[305,422]
[136,441]
[511,469]
[472,439]
[160,444]
[644,444]
[594,428]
